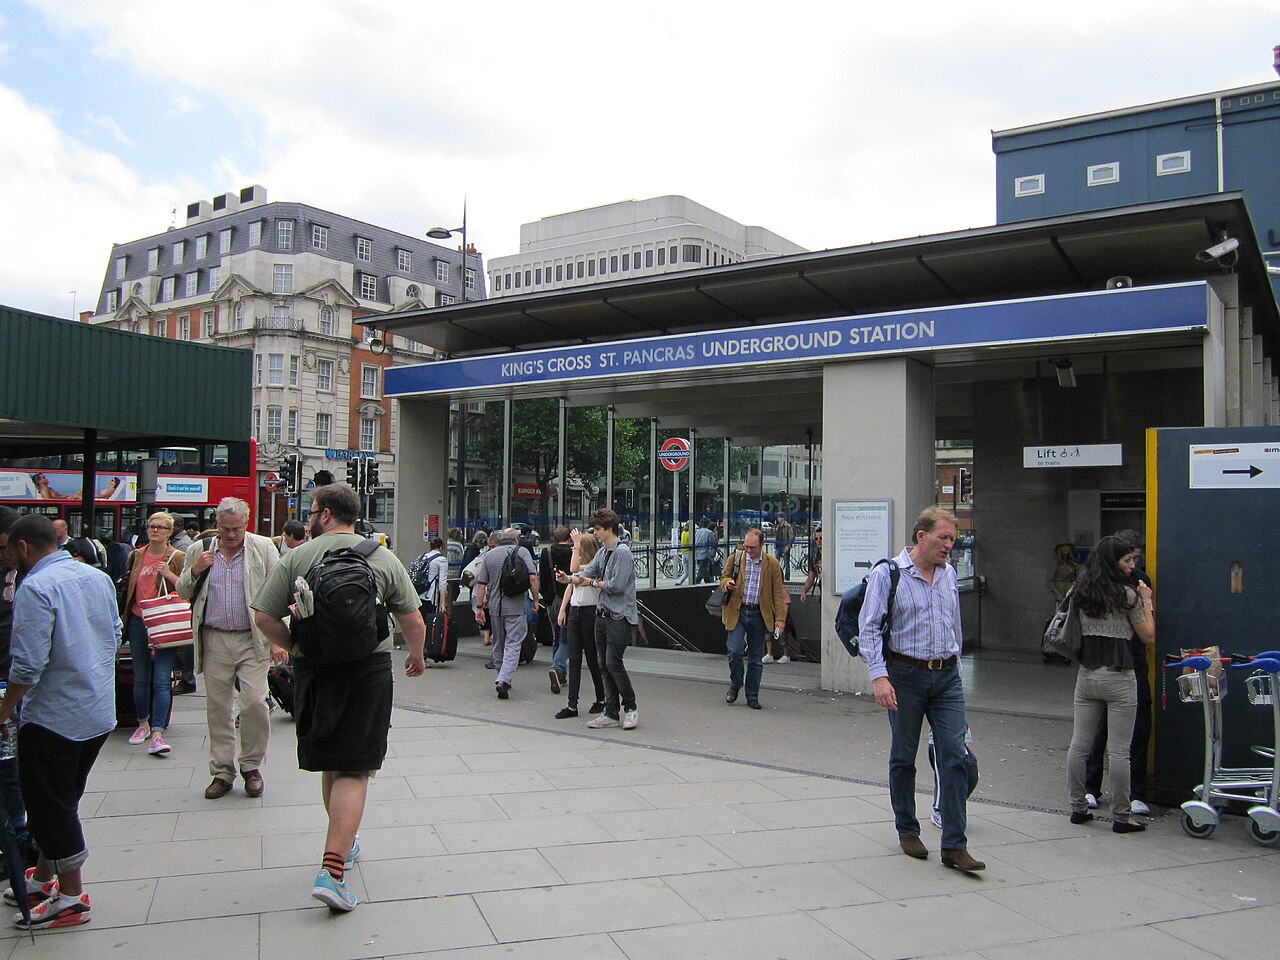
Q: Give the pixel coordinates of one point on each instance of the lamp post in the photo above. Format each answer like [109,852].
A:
[460,487]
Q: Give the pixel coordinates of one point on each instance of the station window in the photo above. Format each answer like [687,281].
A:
[559,272]
[648,258]
[626,262]
[537,276]
[1169,163]
[528,278]
[662,256]
[591,267]
[581,269]
[517,279]
[692,253]
[1102,173]
[671,253]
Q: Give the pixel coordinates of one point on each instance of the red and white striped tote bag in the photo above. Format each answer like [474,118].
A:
[168,620]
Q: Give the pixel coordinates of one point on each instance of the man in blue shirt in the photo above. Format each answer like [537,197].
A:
[65,632]
[915,674]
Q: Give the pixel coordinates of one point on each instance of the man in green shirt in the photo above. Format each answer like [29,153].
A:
[343,710]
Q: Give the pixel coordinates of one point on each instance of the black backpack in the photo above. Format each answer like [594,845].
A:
[851,606]
[348,620]
[514,579]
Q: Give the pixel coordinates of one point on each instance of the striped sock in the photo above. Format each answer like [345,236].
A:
[333,862]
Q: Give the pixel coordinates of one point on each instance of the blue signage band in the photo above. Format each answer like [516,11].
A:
[1161,309]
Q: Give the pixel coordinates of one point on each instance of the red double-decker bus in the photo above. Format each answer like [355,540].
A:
[190,483]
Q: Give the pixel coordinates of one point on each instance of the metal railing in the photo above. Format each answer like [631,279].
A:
[283,324]
[669,633]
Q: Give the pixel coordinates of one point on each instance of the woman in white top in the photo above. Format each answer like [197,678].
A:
[577,618]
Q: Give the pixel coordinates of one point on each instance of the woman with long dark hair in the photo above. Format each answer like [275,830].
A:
[577,618]
[1110,610]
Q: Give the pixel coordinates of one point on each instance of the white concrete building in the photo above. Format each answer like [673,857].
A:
[627,240]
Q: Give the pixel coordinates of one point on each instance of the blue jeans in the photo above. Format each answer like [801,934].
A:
[559,642]
[152,677]
[747,637]
[936,695]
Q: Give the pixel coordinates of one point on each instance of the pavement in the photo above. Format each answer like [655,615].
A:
[494,831]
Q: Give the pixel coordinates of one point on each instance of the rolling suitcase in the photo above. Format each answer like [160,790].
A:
[280,686]
[442,638]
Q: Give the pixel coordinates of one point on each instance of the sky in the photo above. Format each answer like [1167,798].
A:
[830,123]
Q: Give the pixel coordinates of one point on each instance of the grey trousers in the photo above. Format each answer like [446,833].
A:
[1113,694]
[509,631]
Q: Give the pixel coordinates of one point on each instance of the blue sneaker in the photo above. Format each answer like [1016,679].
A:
[333,893]
[353,856]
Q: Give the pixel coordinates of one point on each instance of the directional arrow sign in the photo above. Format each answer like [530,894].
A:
[1235,466]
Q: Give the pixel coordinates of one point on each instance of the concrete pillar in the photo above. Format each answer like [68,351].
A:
[877,444]
[1221,365]
[1257,416]
[422,475]
[1248,401]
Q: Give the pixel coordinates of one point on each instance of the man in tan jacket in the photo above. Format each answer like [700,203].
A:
[756,605]
[221,582]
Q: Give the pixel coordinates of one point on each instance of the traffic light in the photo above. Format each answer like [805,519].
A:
[293,473]
[370,474]
[353,473]
[966,485]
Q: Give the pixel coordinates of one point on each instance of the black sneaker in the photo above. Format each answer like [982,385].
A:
[597,707]
[567,712]
[554,675]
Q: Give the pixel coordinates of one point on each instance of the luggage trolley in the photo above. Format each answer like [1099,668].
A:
[1220,785]
[1260,685]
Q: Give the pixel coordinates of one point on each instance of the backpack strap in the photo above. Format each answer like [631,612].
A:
[895,575]
[366,548]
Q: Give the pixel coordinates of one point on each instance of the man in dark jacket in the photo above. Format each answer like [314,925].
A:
[556,557]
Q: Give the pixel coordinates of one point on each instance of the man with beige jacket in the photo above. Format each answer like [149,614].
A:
[756,605]
[221,582]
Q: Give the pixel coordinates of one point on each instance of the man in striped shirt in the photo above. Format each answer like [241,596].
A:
[915,674]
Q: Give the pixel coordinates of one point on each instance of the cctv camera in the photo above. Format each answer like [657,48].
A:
[1218,250]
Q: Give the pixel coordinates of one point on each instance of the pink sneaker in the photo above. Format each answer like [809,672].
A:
[37,892]
[141,734]
[157,747]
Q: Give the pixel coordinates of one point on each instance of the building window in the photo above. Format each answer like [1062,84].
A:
[369,382]
[224,241]
[210,328]
[368,286]
[179,251]
[192,283]
[215,279]
[157,327]
[1028,186]
[442,271]
[404,261]
[273,424]
[692,253]
[257,422]
[445,299]
[1101,173]
[518,284]
[240,320]
[662,256]
[326,320]
[153,259]
[275,370]
[113,300]
[122,266]
[1168,163]
[291,433]
[581,266]
[368,435]
[255,233]
[293,370]
[559,272]
[257,369]
[537,276]
[324,376]
[166,289]
[471,278]
[184,327]
[282,278]
[202,246]
[626,262]
[648,258]
[364,248]
[324,429]
[319,237]
[284,234]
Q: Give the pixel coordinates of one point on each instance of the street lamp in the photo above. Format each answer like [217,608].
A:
[460,487]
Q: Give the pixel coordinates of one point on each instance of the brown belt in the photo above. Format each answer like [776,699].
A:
[938,663]
[750,606]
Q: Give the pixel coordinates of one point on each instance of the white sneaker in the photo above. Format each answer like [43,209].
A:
[1140,808]
[630,719]
[602,721]
[936,819]
[767,658]
[784,659]
[1091,800]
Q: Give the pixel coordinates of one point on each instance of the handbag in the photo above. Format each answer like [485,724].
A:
[1062,636]
[720,596]
[471,571]
[168,620]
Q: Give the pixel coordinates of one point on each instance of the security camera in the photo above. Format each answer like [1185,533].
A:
[1218,250]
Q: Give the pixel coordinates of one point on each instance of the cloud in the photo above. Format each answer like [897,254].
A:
[112,127]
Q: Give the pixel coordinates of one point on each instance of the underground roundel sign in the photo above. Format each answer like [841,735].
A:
[674,453]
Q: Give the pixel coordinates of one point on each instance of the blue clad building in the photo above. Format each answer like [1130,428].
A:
[1194,146]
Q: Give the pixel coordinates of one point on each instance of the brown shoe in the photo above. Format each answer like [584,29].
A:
[961,860]
[253,782]
[914,847]
[217,788]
